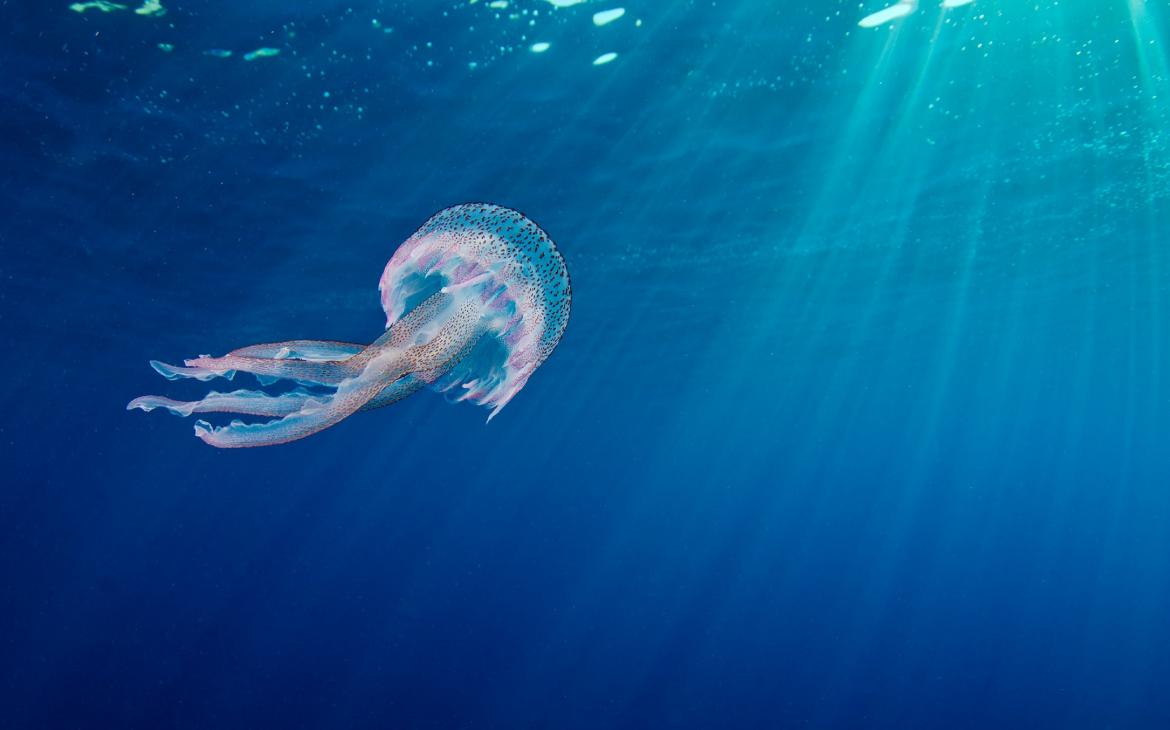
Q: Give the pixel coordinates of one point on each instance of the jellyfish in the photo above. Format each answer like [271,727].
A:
[475,300]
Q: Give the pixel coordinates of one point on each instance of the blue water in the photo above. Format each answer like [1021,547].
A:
[860,420]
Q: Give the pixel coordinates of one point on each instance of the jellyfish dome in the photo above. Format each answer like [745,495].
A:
[475,300]
[507,264]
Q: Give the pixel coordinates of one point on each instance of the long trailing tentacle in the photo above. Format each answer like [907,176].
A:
[245,402]
[389,361]
[256,403]
[319,362]
[319,350]
[268,369]
[284,355]
[313,416]
[418,350]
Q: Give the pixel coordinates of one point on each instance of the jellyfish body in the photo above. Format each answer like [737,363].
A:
[475,300]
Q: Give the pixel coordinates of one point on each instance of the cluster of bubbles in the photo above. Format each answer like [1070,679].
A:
[461,38]
[155,9]
[522,20]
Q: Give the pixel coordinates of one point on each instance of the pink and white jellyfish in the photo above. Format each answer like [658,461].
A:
[475,300]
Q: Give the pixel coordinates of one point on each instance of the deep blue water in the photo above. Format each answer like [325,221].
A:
[861,419]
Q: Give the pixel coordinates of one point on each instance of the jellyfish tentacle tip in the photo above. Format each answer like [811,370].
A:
[150,402]
[143,403]
[176,372]
[206,432]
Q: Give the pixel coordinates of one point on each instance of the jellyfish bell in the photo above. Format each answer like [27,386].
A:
[475,300]
[509,272]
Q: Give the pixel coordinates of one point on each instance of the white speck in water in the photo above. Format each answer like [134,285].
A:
[606,17]
[151,7]
[261,53]
[885,15]
[102,5]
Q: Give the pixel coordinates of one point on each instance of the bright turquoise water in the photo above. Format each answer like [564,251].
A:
[860,420]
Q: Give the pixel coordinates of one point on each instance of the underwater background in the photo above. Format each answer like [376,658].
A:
[860,421]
